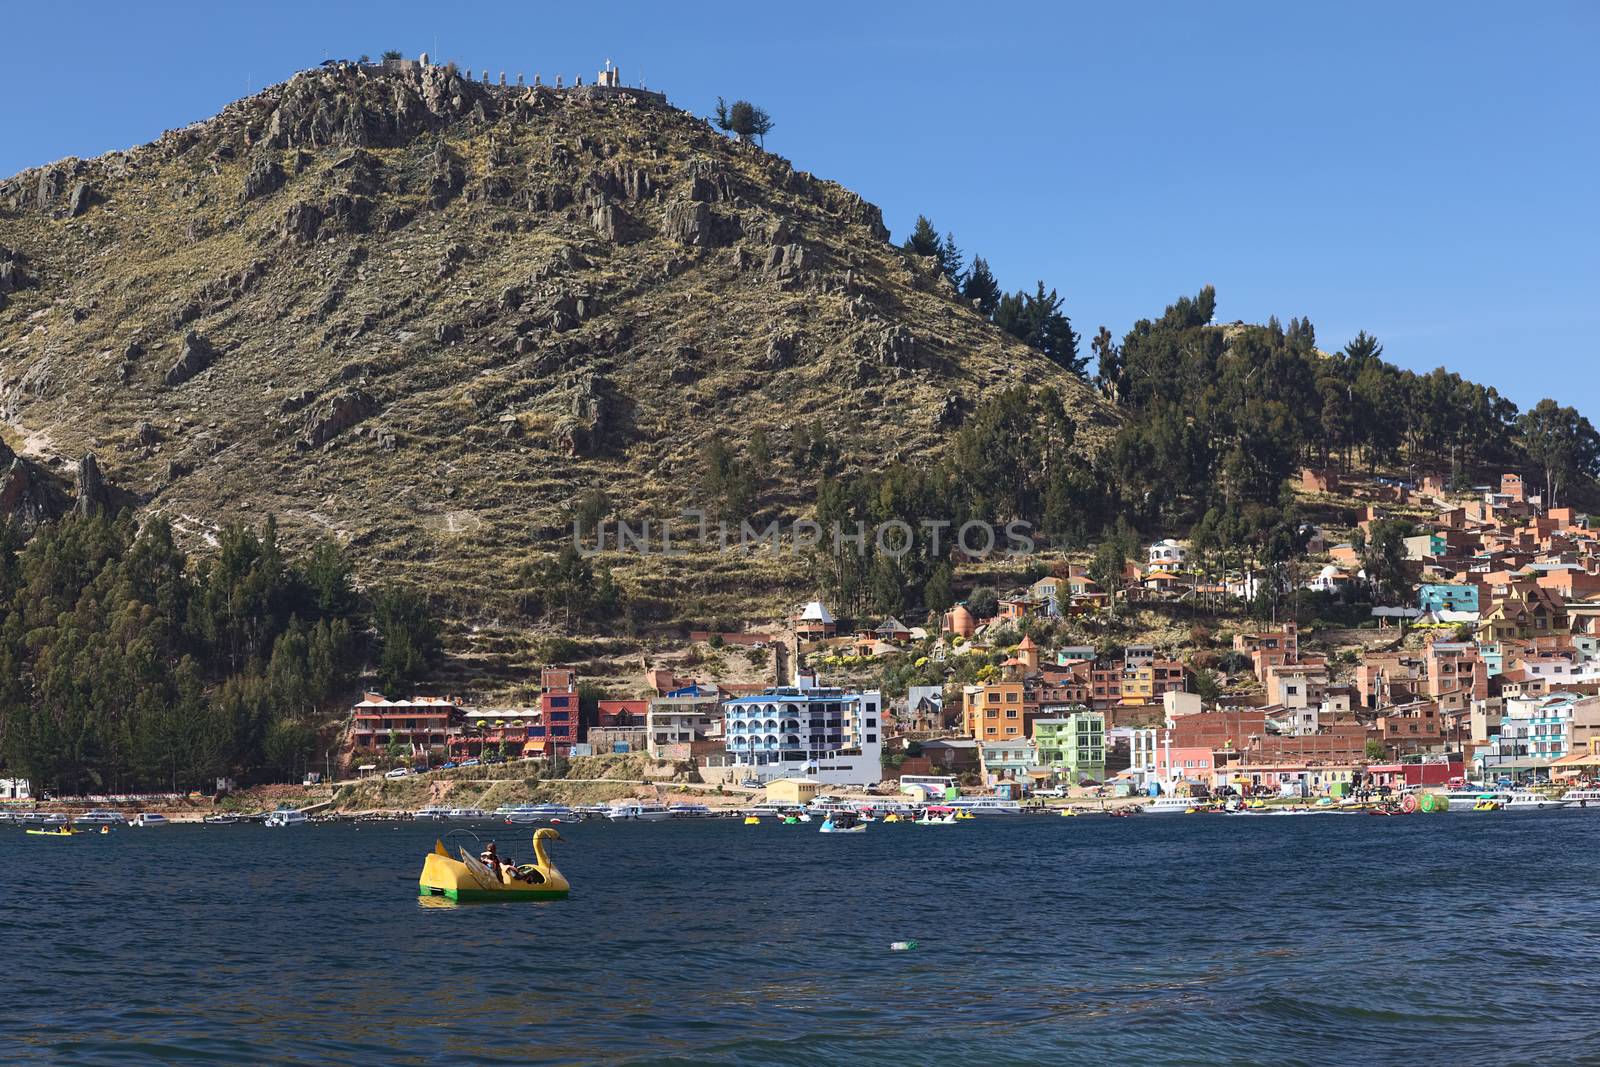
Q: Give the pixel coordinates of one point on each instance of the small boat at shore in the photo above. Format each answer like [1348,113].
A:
[516,814]
[690,811]
[1168,804]
[101,817]
[150,818]
[285,817]
[222,820]
[470,879]
[637,811]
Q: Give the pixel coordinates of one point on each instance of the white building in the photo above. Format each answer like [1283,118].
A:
[15,789]
[831,735]
[1168,553]
[679,719]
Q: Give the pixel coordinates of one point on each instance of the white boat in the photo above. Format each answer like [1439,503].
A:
[149,818]
[1513,799]
[101,817]
[531,813]
[632,810]
[689,811]
[1582,797]
[41,818]
[222,820]
[985,805]
[286,817]
[1168,804]
[768,809]
[431,812]
[467,814]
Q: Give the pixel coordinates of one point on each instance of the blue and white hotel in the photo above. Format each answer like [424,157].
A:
[831,735]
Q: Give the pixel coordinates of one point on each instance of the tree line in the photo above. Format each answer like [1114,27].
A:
[1035,318]
[125,666]
[1217,420]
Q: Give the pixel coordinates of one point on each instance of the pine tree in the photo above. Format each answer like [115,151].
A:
[980,289]
[951,260]
[924,240]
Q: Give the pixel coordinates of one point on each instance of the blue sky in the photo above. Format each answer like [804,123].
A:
[1424,171]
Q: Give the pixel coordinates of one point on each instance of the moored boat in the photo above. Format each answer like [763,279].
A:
[1167,804]
[986,806]
[1582,796]
[636,810]
[101,817]
[285,817]
[689,811]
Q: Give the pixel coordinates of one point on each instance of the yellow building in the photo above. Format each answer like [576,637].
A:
[796,791]
[993,711]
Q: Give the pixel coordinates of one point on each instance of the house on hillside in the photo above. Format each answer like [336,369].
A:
[1167,553]
[815,622]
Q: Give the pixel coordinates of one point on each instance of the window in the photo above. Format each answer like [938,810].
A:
[872,722]
[872,738]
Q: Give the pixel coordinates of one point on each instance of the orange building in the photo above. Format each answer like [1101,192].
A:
[993,711]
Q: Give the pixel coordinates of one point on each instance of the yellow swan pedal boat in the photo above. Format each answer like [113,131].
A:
[752,820]
[469,879]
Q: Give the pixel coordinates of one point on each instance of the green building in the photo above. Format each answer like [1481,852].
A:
[1073,746]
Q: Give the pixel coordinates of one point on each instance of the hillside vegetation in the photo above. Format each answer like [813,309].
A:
[423,316]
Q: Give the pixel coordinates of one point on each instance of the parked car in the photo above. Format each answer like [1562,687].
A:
[398,772]
[494,758]
[473,762]
[447,765]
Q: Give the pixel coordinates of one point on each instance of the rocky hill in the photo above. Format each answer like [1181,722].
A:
[421,314]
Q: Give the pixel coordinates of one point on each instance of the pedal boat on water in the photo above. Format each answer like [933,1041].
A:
[470,879]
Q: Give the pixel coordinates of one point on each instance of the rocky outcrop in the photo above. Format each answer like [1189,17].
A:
[94,495]
[782,349]
[52,183]
[194,356]
[608,219]
[446,179]
[264,178]
[82,199]
[339,414]
[895,347]
[582,431]
[301,223]
[694,224]
[12,277]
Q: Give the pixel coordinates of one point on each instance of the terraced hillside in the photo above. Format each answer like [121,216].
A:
[422,314]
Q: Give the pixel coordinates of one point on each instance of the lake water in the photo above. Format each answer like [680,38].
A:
[1455,939]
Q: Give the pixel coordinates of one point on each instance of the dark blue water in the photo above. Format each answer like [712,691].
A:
[1430,939]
